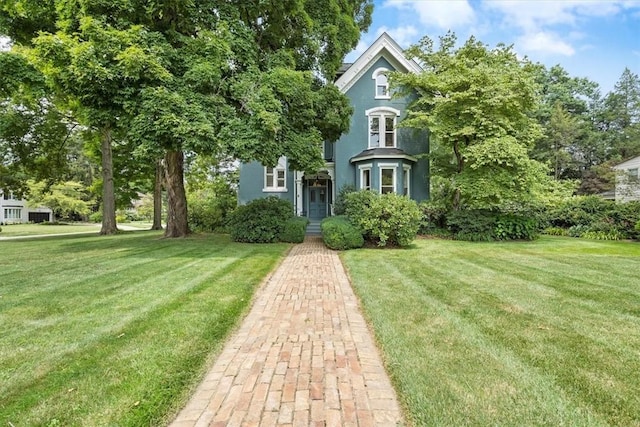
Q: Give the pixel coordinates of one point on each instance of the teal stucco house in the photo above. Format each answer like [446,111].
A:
[375,154]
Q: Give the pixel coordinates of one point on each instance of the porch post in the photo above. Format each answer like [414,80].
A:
[331,171]
[298,177]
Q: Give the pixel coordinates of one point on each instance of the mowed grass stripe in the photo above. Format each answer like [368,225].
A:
[482,334]
[455,365]
[129,355]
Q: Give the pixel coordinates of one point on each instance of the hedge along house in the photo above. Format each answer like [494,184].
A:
[375,154]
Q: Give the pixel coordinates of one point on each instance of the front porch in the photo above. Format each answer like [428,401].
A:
[315,194]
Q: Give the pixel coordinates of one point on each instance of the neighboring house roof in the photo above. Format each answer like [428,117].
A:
[634,161]
[382,152]
[395,56]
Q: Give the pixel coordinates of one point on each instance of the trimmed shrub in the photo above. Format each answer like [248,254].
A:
[387,219]
[593,214]
[486,226]
[338,233]
[261,220]
[472,225]
[294,230]
[515,227]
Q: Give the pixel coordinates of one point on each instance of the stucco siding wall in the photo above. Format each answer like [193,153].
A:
[362,96]
[251,184]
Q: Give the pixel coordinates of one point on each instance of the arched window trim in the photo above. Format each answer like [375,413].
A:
[381,83]
[378,133]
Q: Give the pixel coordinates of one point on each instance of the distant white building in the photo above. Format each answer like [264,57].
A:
[15,210]
[628,180]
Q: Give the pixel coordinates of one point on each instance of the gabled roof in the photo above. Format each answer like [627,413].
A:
[629,162]
[383,46]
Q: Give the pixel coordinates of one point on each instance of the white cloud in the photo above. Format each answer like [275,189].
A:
[544,42]
[533,15]
[447,15]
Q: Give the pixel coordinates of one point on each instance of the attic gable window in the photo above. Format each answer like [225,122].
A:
[275,178]
[382,83]
[382,127]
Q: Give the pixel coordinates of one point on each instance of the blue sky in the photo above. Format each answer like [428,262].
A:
[588,38]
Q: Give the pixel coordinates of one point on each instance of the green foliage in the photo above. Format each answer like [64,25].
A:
[261,220]
[585,214]
[434,216]
[339,234]
[209,211]
[514,227]
[484,225]
[477,104]
[339,205]
[556,231]
[121,217]
[472,225]
[67,200]
[294,230]
[387,219]
[96,217]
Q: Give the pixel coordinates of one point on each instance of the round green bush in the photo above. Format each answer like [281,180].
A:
[387,219]
[294,230]
[261,220]
[339,234]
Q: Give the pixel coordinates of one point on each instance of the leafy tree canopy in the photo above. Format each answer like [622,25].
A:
[477,104]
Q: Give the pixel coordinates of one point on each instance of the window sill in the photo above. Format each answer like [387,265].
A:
[275,190]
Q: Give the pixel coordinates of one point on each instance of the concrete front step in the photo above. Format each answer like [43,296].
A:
[313,227]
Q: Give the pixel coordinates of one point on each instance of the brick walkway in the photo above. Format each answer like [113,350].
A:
[302,357]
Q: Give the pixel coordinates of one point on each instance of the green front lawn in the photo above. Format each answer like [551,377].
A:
[538,333]
[116,330]
[12,230]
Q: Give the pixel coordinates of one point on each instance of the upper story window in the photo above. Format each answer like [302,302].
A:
[382,126]
[382,83]
[275,178]
[632,174]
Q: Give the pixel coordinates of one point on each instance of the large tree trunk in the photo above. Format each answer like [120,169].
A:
[157,196]
[177,225]
[108,195]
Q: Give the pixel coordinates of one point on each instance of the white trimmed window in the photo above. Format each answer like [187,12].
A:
[632,175]
[387,179]
[406,180]
[382,83]
[13,213]
[275,178]
[365,177]
[382,127]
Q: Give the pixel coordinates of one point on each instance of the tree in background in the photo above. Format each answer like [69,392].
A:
[477,104]
[621,117]
[569,144]
[243,77]
[67,200]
